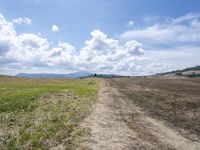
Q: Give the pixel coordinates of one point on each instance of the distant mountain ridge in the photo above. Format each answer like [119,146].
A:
[78,74]
[188,72]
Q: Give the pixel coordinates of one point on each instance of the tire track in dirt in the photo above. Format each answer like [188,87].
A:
[115,123]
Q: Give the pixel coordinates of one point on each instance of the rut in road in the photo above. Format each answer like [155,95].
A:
[116,123]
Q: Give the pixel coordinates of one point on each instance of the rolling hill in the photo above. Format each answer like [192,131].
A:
[188,72]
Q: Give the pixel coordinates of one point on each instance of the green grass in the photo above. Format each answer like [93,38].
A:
[17,94]
[43,113]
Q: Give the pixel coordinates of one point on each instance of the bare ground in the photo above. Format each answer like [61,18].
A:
[116,123]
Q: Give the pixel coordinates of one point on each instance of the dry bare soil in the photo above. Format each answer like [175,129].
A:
[145,113]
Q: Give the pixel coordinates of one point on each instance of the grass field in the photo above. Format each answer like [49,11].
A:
[43,113]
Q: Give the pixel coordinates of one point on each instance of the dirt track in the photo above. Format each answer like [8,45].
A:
[117,123]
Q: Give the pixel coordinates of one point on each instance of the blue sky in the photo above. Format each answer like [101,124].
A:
[77,18]
[126,35]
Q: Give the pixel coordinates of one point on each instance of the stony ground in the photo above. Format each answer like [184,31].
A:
[129,115]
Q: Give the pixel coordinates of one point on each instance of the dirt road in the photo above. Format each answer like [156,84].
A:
[116,123]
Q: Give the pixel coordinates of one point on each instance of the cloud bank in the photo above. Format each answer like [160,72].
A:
[29,52]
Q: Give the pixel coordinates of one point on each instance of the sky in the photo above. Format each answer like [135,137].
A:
[126,37]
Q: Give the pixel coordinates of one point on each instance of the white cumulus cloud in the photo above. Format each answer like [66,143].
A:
[22,20]
[27,52]
[55,28]
[131,22]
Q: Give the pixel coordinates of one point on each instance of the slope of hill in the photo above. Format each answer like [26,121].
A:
[188,72]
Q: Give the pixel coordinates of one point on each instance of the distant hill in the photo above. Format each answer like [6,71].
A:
[188,72]
[46,75]
[80,74]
